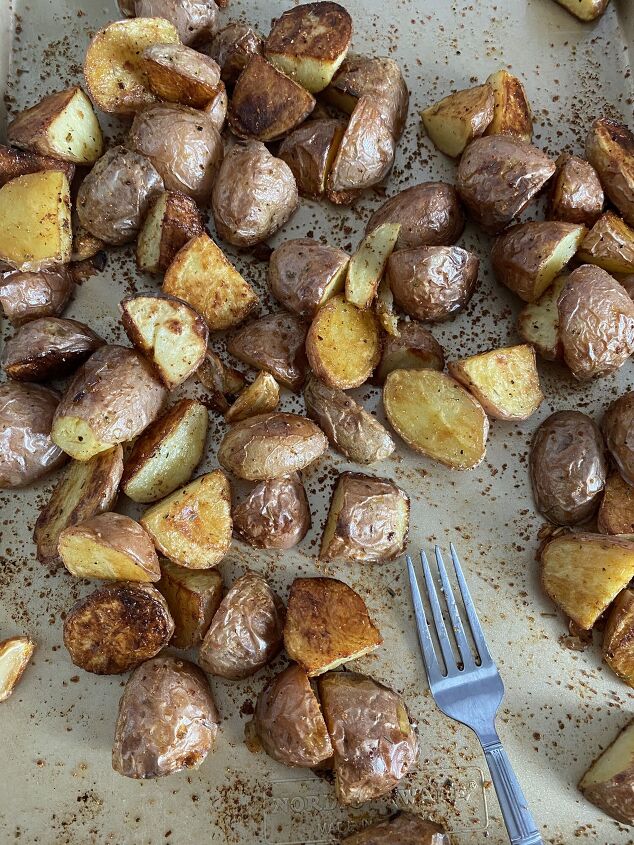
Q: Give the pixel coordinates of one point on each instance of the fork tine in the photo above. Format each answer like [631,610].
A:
[474,622]
[424,637]
[454,614]
[441,631]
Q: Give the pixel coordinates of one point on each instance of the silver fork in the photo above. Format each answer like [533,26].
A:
[471,689]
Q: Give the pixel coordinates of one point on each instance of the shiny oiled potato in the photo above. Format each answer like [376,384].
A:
[610,245]
[304,274]
[610,150]
[616,512]
[178,74]
[618,427]
[458,118]
[309,151]
[260,397]
[216,108]
[195,20]
[618,645]
[413,348]
[167,720]
[15,653]
[274,343]
[576,195]
[404,828]
[50,347]
[171,221]
[193,596]
[609,782]
[275,514]
[14,163]
[27,296]
[232,47]
[512,112]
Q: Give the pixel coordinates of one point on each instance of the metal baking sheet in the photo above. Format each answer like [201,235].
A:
[561,707]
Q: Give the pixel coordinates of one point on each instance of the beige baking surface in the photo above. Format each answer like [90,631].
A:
[56,782]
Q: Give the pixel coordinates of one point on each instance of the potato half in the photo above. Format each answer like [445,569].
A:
[232,47]
[457,119]
[609,782]
[193,596]
[610,150]
[412,348]
[275,514]
[274,343]
[260,397]
[172,220]
[406,828]
[304,274]
[617,426]
[576,195]
[511,112]
[15,654]
[367,265]
[310,151]
[616,512]
[538,322]
[14,163]
[609,244]
[618,638]
[178,74]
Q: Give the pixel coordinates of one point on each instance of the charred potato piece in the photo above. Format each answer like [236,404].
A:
[193,596]
[304,274]
[412,348]
[368,520]
[167,720]
[117,627]
[538,322]
[172,220]
[618,639]
[310,151]
[610,245]
[404,828]
[195,20]
[178,74]
[260,397]
[610,150]
[192,527]
[327,624]
[15,654]
[232,47]
[511,113]
[113,397]
[14,163]
[275,515]
[576,195]
[617,425]
[220,379]
[456,120]
[367,265]
[274,343]
[246,631]
[609,782]
[270,446]
[585,10]
[616,513]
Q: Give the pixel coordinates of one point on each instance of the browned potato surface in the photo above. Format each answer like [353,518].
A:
[610,245]
[15,654]
[232,47]
[304,274]
[538,322]
[275,514]
[172,220]
[85,245]
[309,151]
[193,596]
[260,397]
[220,379]
[609,782]
[511,113]
[48,348]
[195,20]
[618,638]
[576,195]
[274,343]
[178,74]
[457,119]
[413,348]
[617,425]
[404,829]
[14,163]
[616,512]
[610,150]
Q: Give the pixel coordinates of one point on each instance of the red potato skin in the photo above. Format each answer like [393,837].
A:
[232,47]
[618,430]
[28,296]
[275,515]
[576,195]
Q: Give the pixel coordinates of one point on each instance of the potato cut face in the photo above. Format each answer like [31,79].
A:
[310,151]
[385,308]
[511,112]
[367,265]
[609,781]
[327,624]
[538,322]
[609,244]
[192,527]
[178,74]
[193,597]
[504,381]
[585,10]
[618,639]
[457,119]
[583,573]
[173,220]
[15,654]
[436,416]
[616,512]
[260,397]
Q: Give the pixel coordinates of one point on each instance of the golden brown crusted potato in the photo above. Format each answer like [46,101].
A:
[167,720]
[617,426]
[457,119]
[193,596]
[85,245]
[14,163]
[413,348]
[15,653]
[253,195]
[576,195]
[246,631]
[610,150]
[232,47]
[171,221]
[111,399]
[178,74]
[368,520]
[274,343]
[220,379]
[609,782]
[310,151]
[512,112]
[610,245]
[86,489]
[203,276]
[117,627]
[343,345]
[195,20]
[538,322]
[436,416]
[192,527]
[616,512]
[327,624]
[618,638]
[367,265]
[270,446]
[304,274]
[585,10]
[275,515]
[260,397]
[404,828]
[498,176]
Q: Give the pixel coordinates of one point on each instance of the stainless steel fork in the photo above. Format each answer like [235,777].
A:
[470,690]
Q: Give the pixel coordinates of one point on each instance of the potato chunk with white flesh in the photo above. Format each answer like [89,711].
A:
[111,547]
[193,596]
[343,345]
[610,150]
[203,276]
[412,348]
[192,527]
[618,638]
[457,119]
[538,322]
[436,416]
[178,74]
[585,10]
[584,573]
[15,654]
[274,343]
[327,624]
[504,381]
[511,111]
[609,782]
[609,244]
[36,220]
[172,220]
[367,265]
[260,397]
[368,520]
[616,512]
[304,274]
[576,195]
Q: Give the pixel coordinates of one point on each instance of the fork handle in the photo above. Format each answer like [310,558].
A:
[517,818]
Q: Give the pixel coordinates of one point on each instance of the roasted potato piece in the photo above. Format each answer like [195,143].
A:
[115,195]
[220,379]
[584,573]
[511,113]
[167,720]
[327,624]
[497,178]
[585,10]
[310,151]
[610,245]
[36,221]
[172,220]
[596,323]
[343,344]
[412,348]
[618,639]
[63,125]
[178,74]
[48,348]
[367,265]
[404,829]
[617,426]
[505,381]
[436,417]
[270,446]
[616,512]
[117,627]
[113,397]
[193,596]
[266,104]
[384,308]
[432,282]
[203,276]
[304,274]
[538,322]
[609,782]
[85,245]
[86,488]
[126,7]
[216,108]
[15,654]
[232,47]
[368,520]
[456,120]
[14,163]
[275,515]
[373,740]
[288,721]
[260,397]
[192,527]
[113,65]
[246,631]
[195,20]
[347,425]
[576,195]
[274,343]
[610,150]
[27,452]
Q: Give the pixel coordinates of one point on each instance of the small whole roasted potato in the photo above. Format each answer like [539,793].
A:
[275,514]
[616,512]
[512,112]
[47,348]
[618,429]
[576,195]
[609,244]
[28,296]
[456,120]
[610,150]
[609,781]
[404,828]
[304,274]
[193,596]
[167,720]
[538,322]
[274,343]
[232,47]
[413,348]
[309,152]
[195,20]
[15,653]
[178,74]
[172,220]
[253,196]
[246,631]
[618,638]
[568,467]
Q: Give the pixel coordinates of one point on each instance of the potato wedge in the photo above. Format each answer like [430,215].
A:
[178,74]
[304,274]
[617,426]
[511,112]
[15,654]
[610,150]
[457,119]
[368,264]
[310,151]
[28,296]
[343,345]
[584,573]
[203,276]
[505,381]
[436,416]
[274,343]
[172,220]
[113,65]
[618,638]
[193,596]
[609,244]
[406,828]
[327,624]
[616,512]
[111,547]
[63,125]
[36,220]
[260,397]
[576,195]
[14,163]
[220,379]
[275,515]
[609,782]
[413,348]
[585,10]
[232,47]
[192,527]
[384,308]
[538,322]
